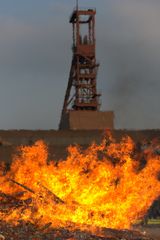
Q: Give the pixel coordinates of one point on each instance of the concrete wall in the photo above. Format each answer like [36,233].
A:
[58,141]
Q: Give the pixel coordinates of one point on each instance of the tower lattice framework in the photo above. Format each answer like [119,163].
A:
[81,93]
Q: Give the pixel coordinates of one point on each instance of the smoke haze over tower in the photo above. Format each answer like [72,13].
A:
[127,47]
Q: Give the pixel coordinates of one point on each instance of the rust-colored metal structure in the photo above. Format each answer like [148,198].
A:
[83,71]
[81,94]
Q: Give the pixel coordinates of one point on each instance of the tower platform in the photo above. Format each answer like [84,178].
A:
[87,120]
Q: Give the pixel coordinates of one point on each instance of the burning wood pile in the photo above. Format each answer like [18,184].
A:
[28,231]
[86,196]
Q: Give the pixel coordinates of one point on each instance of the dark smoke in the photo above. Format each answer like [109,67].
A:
[129,49]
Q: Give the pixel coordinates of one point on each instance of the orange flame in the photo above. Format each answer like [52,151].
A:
[102,186]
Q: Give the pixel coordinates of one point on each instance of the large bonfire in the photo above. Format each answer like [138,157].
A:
[102,186]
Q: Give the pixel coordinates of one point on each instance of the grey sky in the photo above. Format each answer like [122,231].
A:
[35,58]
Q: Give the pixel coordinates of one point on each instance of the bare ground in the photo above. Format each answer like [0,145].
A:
[151,231]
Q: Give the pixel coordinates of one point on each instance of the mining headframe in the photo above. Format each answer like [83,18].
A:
[81,108]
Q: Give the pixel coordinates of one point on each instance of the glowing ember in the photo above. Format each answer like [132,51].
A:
[102,186]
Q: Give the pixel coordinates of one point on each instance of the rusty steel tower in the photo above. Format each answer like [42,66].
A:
[81,95]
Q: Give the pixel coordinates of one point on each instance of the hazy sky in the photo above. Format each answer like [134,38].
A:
[35,58]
